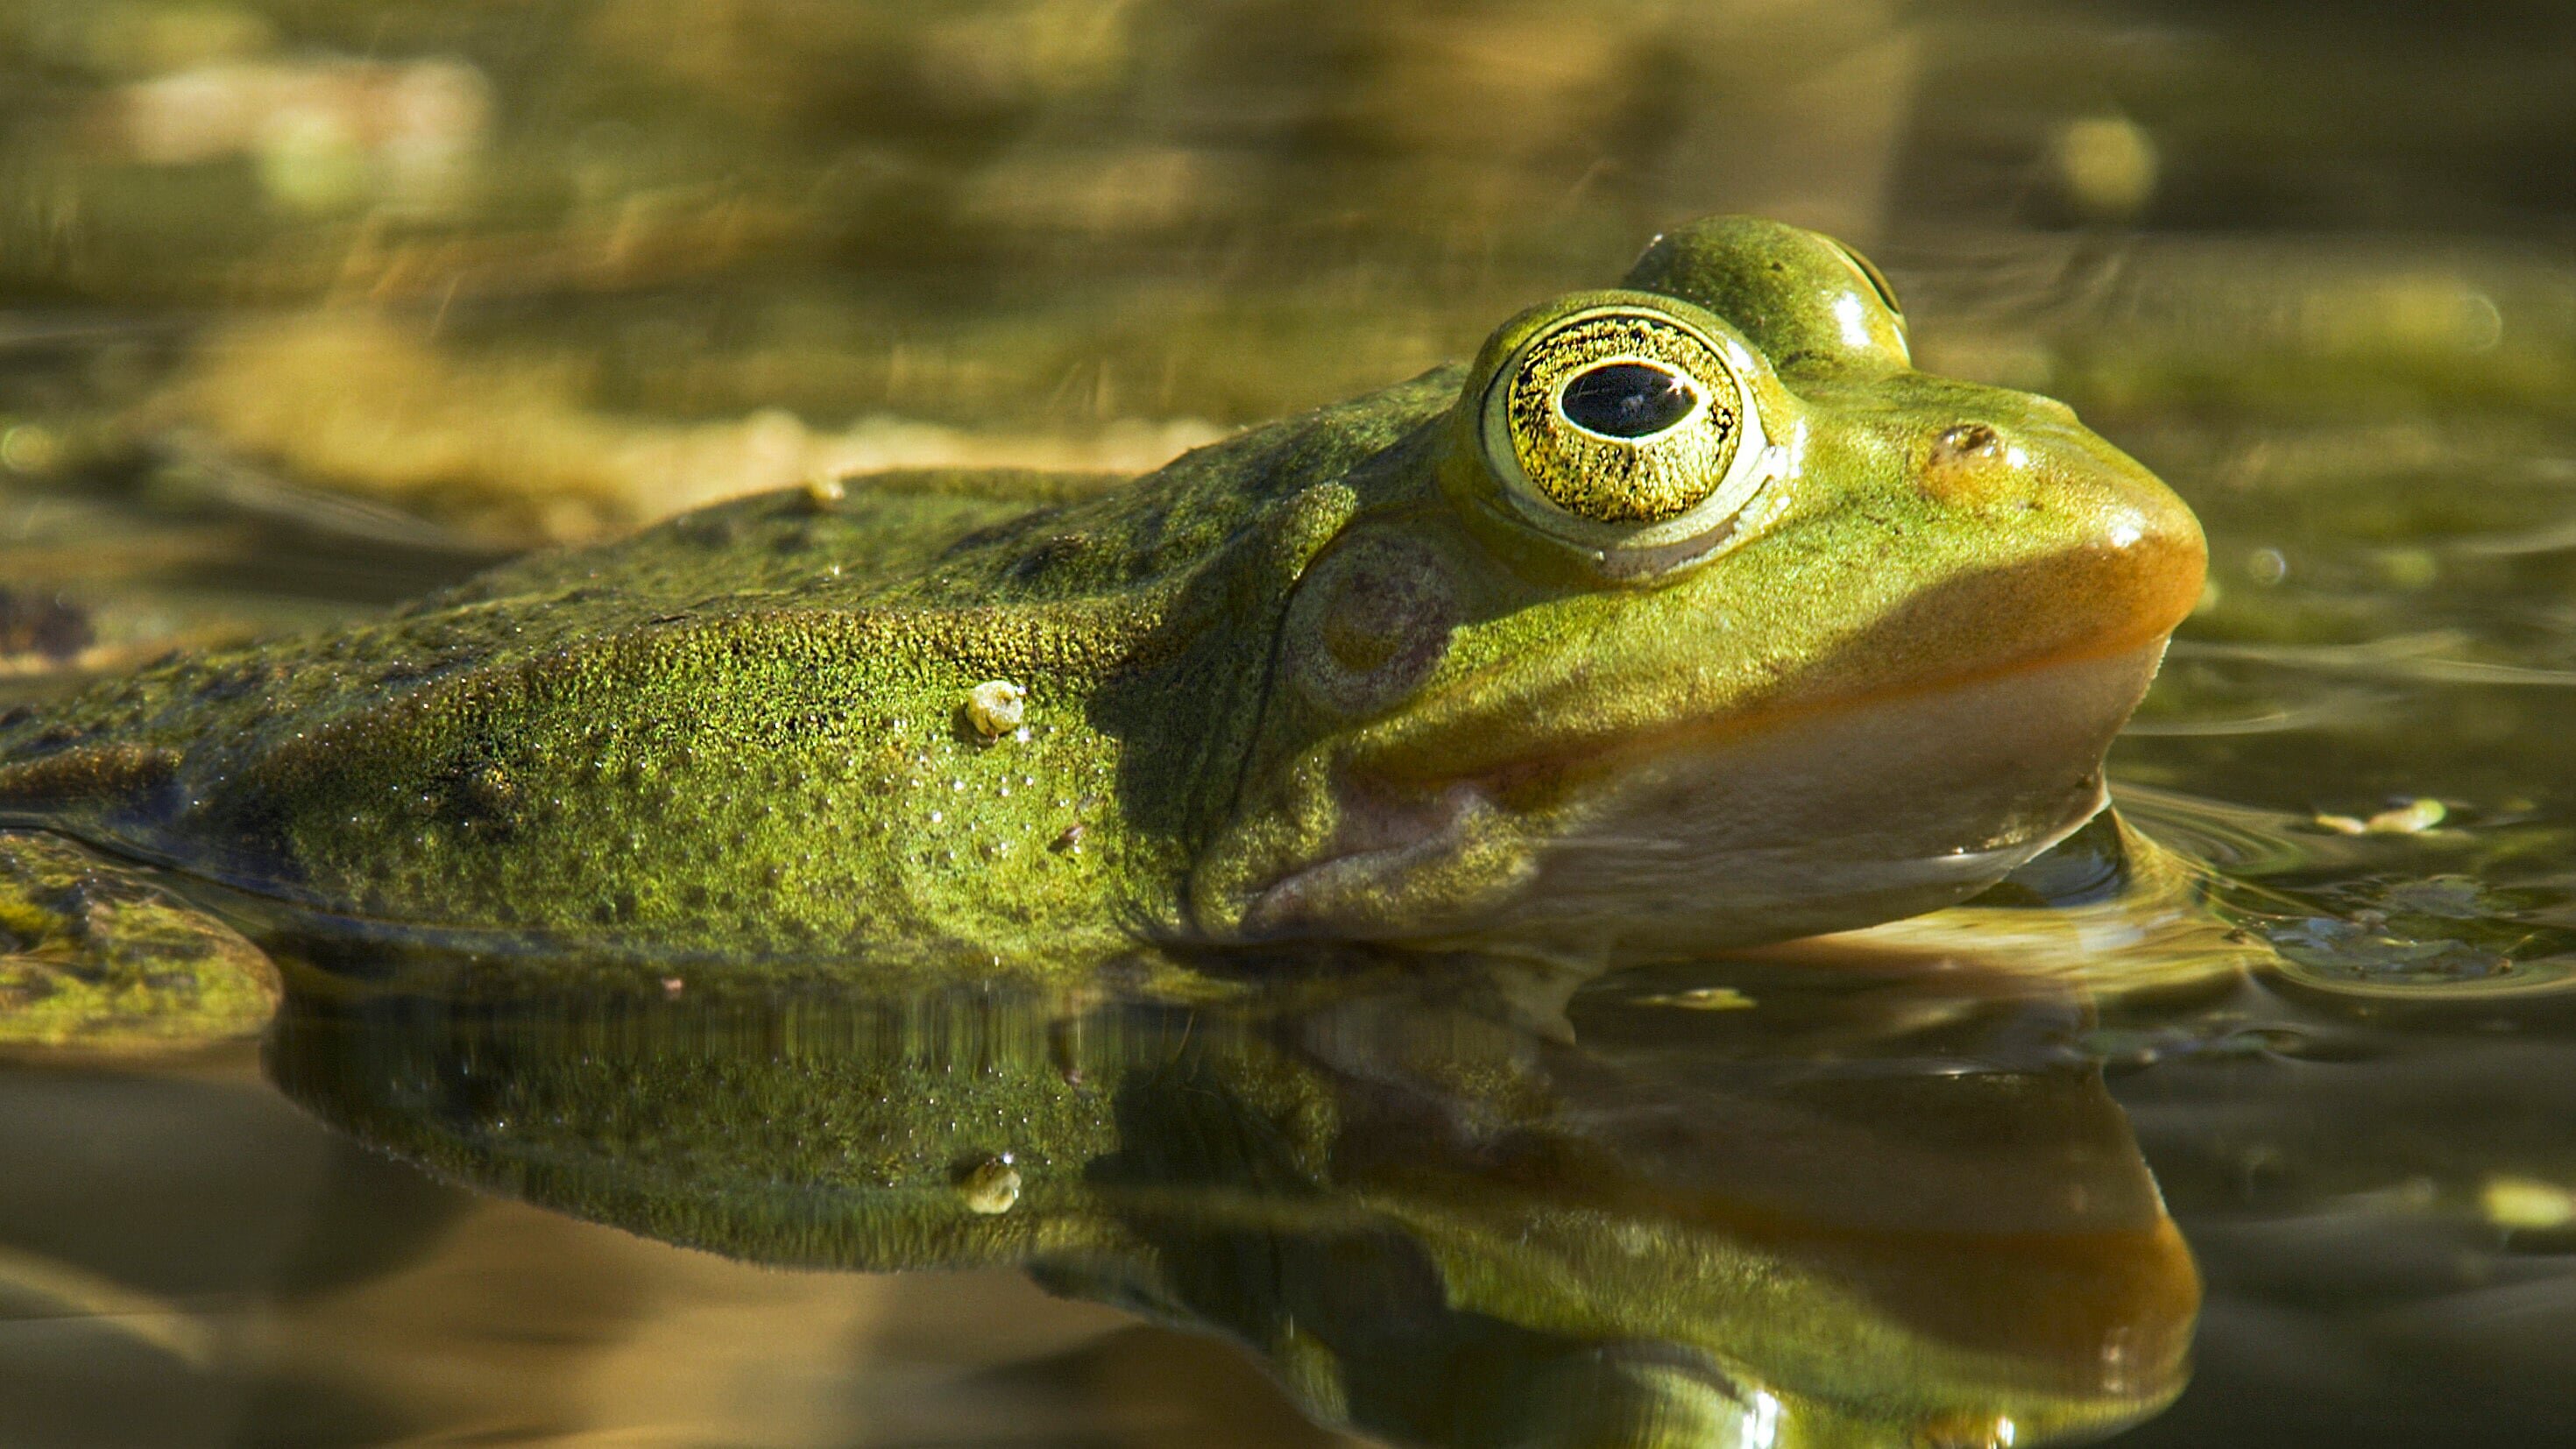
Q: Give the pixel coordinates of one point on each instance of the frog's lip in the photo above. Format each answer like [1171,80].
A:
[1740,832]
[1820,820]
[1512,778]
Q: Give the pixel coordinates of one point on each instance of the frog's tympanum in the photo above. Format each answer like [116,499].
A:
[1688,616]
[1863,1208]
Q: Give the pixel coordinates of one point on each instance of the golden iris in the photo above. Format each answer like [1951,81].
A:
[1623,417]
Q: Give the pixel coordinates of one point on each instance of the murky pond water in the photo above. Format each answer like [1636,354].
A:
[307,306]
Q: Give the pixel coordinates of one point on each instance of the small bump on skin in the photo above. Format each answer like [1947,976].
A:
[1964,440]
[995,708]
[990,1187]
[1966,464]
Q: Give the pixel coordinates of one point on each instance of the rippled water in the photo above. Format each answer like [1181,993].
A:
[296,374]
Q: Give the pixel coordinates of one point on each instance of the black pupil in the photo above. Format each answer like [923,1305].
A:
[1625,400]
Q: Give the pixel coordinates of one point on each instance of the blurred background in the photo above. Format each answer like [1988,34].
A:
[308,304]
[538,269]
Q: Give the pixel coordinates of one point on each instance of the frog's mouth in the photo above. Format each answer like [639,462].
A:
[1717,833]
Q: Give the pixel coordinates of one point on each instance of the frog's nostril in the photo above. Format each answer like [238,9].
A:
[1963,441]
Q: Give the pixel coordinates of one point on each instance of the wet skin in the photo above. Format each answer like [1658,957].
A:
[1689,616]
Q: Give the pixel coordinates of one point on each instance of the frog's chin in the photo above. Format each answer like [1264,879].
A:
[1704,840]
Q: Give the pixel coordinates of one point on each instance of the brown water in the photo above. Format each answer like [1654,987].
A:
[311,304]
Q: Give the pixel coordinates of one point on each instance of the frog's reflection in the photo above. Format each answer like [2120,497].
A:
[1724,1206]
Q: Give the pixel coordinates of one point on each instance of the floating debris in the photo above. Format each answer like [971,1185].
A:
[2526,1204]
[1701,998]
[2412,818]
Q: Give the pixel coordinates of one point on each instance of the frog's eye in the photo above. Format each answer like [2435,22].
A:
[1625,417]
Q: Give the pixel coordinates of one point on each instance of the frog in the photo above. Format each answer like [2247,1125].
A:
[1689,615]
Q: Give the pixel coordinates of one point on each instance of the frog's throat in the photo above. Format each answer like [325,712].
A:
[1707,834]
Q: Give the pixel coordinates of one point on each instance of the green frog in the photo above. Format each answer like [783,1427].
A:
[1689,616]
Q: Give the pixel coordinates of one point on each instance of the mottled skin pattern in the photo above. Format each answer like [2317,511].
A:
[736,730]
[1323,679]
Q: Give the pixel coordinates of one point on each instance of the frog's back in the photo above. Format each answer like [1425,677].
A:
[723,735]
[169,765]
[825,546]
[839,538]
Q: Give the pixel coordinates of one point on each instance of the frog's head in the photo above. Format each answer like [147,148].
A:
[1701,619]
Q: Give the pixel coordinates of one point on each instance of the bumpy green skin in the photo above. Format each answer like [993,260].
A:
[742,730]
[1255,679]
[1438,1227]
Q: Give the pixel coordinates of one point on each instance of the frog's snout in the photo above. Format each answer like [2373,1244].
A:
[2127,558]
[2154,559]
